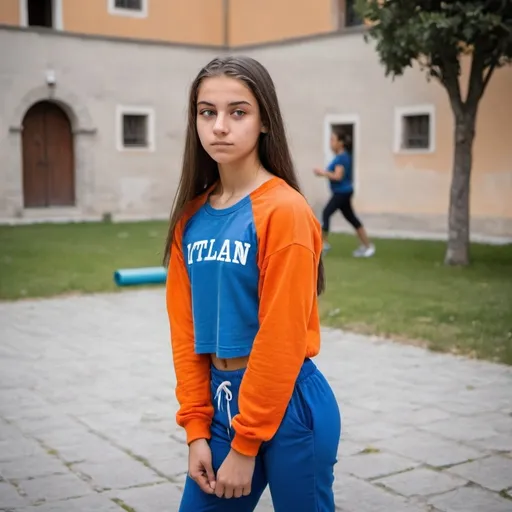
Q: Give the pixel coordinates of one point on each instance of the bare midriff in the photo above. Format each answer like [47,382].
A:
[235,363]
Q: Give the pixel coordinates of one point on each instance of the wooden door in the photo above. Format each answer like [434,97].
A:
[59,144]
[48,163]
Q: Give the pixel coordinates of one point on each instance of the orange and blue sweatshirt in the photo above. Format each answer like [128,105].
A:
[242,281]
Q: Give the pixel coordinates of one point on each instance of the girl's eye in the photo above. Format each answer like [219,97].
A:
[239,113]
[207,113]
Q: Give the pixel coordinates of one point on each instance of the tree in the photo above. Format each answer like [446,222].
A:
[437,35]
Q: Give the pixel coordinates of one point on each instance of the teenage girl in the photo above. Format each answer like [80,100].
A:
[339,173]
[244,254]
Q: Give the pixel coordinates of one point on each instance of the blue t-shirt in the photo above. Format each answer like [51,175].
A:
[220,248]
[345,184]
[236,260]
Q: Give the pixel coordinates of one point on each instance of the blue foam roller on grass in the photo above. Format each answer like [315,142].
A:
[144,275]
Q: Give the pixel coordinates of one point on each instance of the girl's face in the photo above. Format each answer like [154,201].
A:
[336,144]
[228,119]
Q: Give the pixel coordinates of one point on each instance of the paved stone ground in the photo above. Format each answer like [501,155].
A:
[87,416]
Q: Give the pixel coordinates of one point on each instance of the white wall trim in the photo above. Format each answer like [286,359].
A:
[337,16]
[57,15]
[116,11]
[58,18]
[72,104]
[354,119]
[135,109]
[411,110]
[23,13]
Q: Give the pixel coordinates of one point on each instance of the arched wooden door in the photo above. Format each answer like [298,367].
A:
[48,161]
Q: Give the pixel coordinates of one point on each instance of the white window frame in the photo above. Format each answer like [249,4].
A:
[131,13]
[57,17]
[414,110]
[334,119]
[122,110]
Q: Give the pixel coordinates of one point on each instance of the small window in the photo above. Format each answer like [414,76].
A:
[135,129]
[414,129]
[352,17]
[40,13]
[347,15]
[134,8]
[416,132]
[134,5]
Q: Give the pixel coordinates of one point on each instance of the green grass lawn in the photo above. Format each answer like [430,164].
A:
[407,293]
[404,291]
[50,259]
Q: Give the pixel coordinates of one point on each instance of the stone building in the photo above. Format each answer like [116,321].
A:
[93,102]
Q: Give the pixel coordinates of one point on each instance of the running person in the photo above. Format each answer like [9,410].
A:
[244,272]
[339,173]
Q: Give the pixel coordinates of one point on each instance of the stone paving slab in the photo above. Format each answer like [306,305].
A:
[32,467]
[87,416]
[165,496]
[494,473]
[429,449]
[422,482]
[54,488]
[470,499]
[375,465]
[117,474]
[91,503]
[10,498]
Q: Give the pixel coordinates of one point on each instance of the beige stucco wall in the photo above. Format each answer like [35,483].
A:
[93,78]
[9,12]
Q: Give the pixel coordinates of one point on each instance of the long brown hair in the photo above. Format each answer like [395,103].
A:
[200,171]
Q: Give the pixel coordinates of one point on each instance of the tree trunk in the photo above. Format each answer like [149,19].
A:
[457,252]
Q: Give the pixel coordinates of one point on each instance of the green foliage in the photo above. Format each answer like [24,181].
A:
[436,33]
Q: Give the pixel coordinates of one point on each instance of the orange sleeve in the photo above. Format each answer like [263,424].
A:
[192,370]
[288,280]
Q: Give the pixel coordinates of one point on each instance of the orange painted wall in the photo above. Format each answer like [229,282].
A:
[9,12]
[193,21]
[257,21]
[492,156]
[492,150]
[198,21]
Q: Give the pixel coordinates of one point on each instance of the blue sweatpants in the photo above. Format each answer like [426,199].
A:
[297,463]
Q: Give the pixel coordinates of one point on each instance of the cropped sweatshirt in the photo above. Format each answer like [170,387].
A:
[242,281]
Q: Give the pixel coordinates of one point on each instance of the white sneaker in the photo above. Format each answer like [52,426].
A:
[364,252]
[358,253]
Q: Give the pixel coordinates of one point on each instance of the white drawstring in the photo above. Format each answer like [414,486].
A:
[224,386]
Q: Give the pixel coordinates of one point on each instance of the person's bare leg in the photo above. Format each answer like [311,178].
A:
[361,233]
[367,249]
[325,240]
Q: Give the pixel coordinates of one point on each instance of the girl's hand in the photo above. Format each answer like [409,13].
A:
[319,172]
[200,465]
[234,477]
